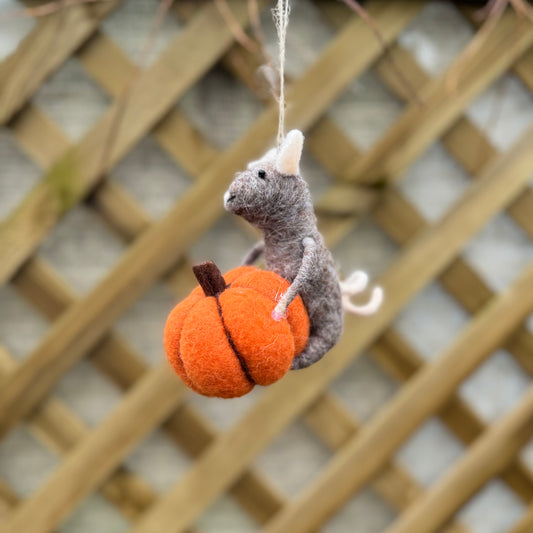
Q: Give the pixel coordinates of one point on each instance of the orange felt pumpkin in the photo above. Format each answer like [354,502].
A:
[221,340]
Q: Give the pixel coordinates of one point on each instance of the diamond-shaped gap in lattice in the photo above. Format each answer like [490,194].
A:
[365,512]
[130,25]
[220,107]
[82,248]
[21,326]
[495,386]
[431,320]
[158,461]
[95,513]
[225,515]
[428,36]
[363,388]
[493,509]
[293,459]
[434,183]
[18,174]
[500,252]
[503,111]
[143,323]
[151,177]
[25,463]
[429,452]
[72,99]
[365,110]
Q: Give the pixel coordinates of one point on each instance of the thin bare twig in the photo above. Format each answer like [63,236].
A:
[494,12]
[235,28]
[365,15]
[257,29]
[47,9]
[523,8]
[491,14]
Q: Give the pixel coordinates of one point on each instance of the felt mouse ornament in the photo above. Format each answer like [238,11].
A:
[251,326]
[272,196]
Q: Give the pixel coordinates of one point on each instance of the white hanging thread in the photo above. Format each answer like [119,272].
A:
[281,19]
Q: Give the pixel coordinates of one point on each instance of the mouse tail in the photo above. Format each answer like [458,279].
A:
[356,283]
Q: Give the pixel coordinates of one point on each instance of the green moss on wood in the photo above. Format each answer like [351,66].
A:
[64,182]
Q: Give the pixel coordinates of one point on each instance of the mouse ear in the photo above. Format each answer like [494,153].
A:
[269,157]
[290,151]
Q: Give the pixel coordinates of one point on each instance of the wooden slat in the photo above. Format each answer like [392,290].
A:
[523,69]
[8,499]
[39,136]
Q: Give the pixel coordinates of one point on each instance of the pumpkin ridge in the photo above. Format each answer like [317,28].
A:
[238,355]
[183,365]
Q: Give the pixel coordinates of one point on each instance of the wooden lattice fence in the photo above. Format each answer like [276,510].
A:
[366,186]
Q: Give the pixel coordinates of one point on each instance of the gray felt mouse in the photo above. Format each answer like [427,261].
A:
[272,196]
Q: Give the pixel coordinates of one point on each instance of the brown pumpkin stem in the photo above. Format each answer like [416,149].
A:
[210,278]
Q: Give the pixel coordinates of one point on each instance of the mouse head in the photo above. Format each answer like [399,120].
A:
[271,189]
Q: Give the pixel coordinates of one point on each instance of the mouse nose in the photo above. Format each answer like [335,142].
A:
[228,197]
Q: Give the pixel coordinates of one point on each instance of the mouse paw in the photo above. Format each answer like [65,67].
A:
[279,313]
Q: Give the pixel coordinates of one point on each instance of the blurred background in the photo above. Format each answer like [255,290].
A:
[122,123]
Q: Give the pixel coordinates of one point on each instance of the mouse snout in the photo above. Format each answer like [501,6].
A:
[229,196]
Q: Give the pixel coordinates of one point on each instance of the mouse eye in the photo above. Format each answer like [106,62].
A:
[261,174]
